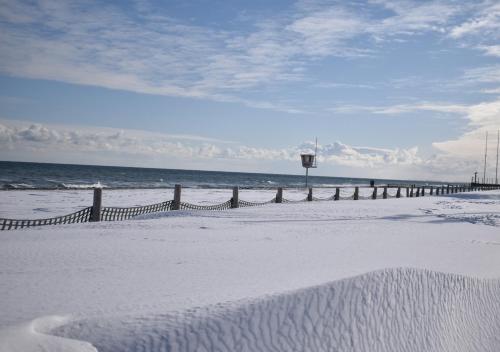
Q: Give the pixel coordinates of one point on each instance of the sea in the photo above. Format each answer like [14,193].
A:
[26,175]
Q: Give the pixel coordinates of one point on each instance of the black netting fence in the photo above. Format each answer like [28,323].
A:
[118,213]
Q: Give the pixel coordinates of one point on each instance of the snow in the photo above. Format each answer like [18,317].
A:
[386,275]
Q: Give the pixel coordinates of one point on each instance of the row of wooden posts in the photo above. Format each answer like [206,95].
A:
[412,191]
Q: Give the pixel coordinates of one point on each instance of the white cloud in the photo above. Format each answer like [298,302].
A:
[37,138]
[486,22]
[490,50]
[454,160]
[90,43]
[481,75]
[402,108]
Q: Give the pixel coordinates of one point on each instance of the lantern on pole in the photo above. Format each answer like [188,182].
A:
[309,161]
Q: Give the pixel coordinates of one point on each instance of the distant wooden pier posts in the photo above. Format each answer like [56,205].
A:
[95,214]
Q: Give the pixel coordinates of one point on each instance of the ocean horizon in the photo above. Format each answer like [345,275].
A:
[16,175]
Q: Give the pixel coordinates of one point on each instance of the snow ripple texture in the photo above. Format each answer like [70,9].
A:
[388,310]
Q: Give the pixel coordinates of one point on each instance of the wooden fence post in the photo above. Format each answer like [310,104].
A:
[374,194]
[398,193]
[437,191]
[337,194]
[95,214]
[384,195]
[310,195]
[432,190]
[411,192]
[235,202]
[279,195]
[356,193]
[176,205]
[407,192]
[447,189]
[417,194]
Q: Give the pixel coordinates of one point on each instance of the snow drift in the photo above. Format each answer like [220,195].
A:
[388,310]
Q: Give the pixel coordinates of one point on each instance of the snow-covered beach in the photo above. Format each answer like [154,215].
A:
[419,274]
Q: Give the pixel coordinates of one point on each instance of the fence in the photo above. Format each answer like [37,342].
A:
[96,212]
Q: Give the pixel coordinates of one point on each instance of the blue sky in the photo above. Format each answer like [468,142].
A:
[395,89]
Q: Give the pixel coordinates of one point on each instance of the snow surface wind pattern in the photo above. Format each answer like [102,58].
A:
[389,310]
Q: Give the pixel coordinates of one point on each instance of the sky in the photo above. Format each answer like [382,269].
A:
[391,89]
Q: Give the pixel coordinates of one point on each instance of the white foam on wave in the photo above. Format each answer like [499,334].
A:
[389,310]
[83,186]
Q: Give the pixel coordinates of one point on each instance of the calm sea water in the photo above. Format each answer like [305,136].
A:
[20,175]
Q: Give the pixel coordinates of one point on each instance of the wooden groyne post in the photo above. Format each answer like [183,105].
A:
[356,193]
[176,205]
[235,202]
[95,214]
[279,195]
[337,194]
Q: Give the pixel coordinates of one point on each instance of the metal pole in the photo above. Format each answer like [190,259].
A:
[485,156]
[307,174]
[498,147]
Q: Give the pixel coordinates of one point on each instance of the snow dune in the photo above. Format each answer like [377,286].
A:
[388,310]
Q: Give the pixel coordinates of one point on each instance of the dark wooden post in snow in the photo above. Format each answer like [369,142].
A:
[411,192]
[398,193]
[95,214]
[356,193]
[176,205]
[423,191]
[235,202]
[417,194]
[432,190]
[384,195]
[448,189]
[374,194]
[310,195]
[437,191]
[407,192]
[279,195]
[337,194]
